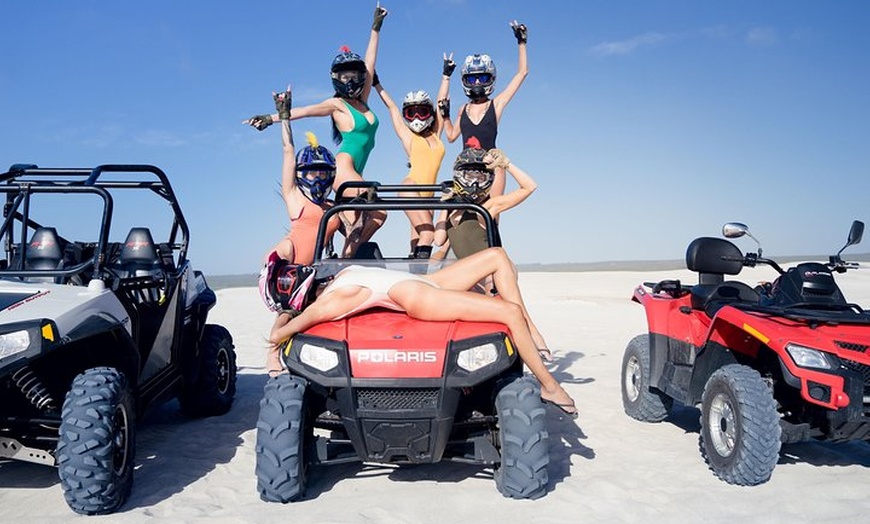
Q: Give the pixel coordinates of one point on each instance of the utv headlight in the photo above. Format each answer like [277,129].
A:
[808,357]
[476,357]
[318,357]
[13,343]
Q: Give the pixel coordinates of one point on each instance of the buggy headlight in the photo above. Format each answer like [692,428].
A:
[476,357]
[13,343]
[808,357]
[318,357]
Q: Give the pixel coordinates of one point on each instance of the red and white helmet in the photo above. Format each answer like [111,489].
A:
[418,111]
[284,286]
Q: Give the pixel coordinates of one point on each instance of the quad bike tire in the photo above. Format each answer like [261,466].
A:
[281,466]
[96,442]
[215,387]
[523,441]
[740,431]
[639,400]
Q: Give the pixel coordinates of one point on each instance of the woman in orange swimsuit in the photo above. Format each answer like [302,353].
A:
[419,128]
[440,296]
[354,126]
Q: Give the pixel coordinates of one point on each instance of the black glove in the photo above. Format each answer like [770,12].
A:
[444,107]
[283,101]
[380,14]
[260,122]
[520,31]
[449,65]
[375,79]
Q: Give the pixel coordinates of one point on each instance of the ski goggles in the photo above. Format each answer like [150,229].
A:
[477,78]
[421,112]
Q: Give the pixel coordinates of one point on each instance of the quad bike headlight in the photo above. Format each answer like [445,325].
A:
[318,357]
[476,357]
[14,343]
[808,357]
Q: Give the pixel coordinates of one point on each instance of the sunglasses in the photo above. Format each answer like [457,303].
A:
[421,112]
[477,78]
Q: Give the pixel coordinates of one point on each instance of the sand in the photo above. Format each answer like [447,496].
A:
[604,467]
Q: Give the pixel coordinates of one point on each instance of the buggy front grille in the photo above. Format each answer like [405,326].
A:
[397,398]
[861,369]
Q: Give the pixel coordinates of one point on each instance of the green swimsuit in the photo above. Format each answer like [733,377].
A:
[359,141]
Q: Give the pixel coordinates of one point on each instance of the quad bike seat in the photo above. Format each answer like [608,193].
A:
[712,259]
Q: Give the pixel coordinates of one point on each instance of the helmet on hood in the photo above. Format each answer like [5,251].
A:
[348,73]
[478,76]
[418,111]
[285,286]
[472,180]
[315,170]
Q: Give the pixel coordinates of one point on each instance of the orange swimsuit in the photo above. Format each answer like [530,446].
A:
[425,160]
[303,231]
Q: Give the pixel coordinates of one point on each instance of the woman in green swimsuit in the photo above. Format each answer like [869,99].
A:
[354,126]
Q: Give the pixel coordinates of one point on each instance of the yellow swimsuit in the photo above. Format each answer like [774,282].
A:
[425,160]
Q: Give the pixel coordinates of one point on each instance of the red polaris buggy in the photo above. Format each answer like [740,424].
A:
[779,363]
[381,387]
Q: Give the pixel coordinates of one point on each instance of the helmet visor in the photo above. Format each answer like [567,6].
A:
[477,79]
[420,112]
[349,76]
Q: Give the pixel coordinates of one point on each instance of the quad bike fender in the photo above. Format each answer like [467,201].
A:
[748,334]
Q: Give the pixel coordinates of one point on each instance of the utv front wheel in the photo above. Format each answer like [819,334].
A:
[740,432]
[281,438]
[213,391]
[96,442]
[523,441]
[639,400]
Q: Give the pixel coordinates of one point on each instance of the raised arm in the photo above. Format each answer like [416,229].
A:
[521,33]
[398,122]
[372,51]
[443,99]
[288,168]
[499,204]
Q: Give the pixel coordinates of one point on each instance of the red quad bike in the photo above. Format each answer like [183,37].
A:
[381,387]
[779,363]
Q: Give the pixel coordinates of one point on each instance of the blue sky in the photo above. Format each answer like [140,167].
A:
[645,123]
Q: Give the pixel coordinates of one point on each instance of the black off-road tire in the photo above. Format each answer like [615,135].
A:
[523,441]
[740,431]
[96,444]
[639,400]
[281,440]
[213,391]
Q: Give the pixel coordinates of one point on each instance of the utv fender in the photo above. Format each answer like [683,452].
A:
[102,341]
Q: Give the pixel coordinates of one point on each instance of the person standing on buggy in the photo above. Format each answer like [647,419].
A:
[354,126]
[419,127]
[480,116]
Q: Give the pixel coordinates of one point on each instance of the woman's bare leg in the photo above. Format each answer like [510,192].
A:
[463,274]
[425,302]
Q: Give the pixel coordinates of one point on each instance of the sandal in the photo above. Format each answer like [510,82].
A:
[564,408]
[546,354]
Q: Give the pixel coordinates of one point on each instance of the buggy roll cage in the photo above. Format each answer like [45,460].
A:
[382,197]
[21,181]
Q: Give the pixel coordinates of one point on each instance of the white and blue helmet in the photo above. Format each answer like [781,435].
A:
[478,76]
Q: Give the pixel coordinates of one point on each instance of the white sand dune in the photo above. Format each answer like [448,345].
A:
[605,467]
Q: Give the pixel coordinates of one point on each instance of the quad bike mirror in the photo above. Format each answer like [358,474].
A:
[855,235]
[734,230]
[737,230]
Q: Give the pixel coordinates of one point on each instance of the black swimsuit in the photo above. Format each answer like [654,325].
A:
[485,132]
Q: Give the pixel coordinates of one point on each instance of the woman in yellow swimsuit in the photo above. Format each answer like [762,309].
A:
[354,126]
[419,128]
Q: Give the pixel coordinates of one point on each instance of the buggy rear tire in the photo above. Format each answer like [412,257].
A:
[281,466]
[215,386]
[639,400]
[740,431]
[523,441]
[96,442]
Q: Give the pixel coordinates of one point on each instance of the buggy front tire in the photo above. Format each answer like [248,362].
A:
[96,442]
[282,434]
[523,441]
[639,400]
[213,390]
[740,431]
